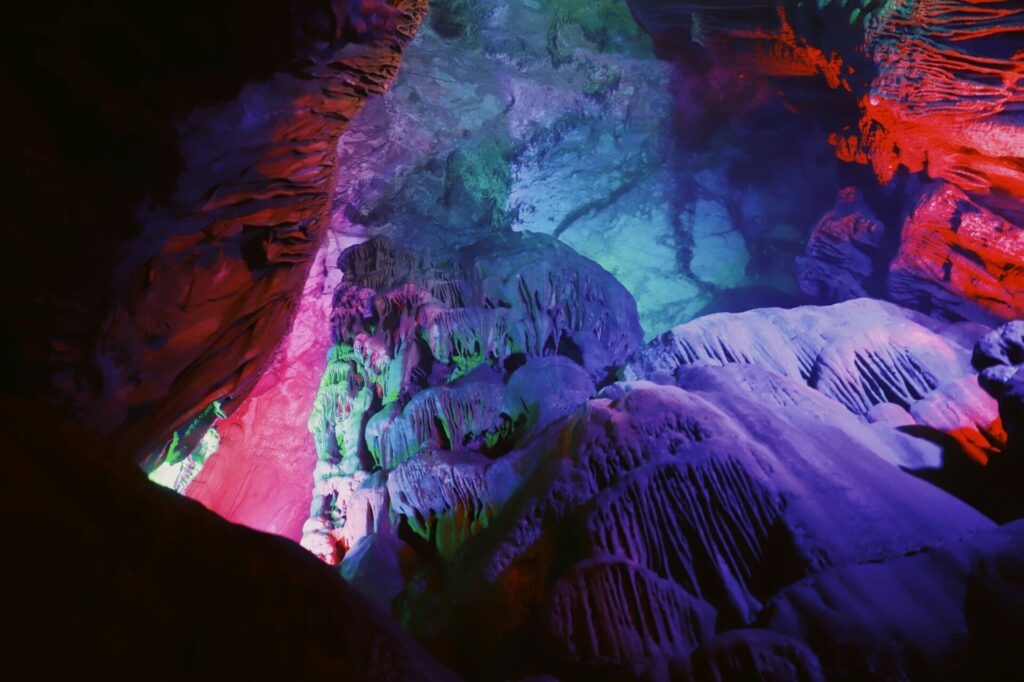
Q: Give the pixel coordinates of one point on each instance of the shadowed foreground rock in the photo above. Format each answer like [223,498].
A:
[108,576]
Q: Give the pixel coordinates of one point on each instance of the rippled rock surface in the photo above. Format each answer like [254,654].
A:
[878,360]
[709,488]
[418,347]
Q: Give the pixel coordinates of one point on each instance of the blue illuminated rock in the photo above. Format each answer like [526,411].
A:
[730,488]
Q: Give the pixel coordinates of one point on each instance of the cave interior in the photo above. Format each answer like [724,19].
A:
[514,340]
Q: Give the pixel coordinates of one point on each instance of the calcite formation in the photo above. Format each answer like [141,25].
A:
[434,372]
[484,470]
[706,488]
[608,340]
[863,353]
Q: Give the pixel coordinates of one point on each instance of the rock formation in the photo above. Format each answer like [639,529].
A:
[933,87]
[707,499]
[436,366]
[228,152]
[519,346]
[156,586]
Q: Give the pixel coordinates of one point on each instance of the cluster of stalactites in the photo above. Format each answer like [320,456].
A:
[423,350]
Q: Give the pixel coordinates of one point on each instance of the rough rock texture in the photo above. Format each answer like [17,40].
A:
[442,362]
[572,128]
[725,496]
[999,356]
[959,260]
[490,457]
[160,588]
[260,477]
[841,250]
[193,190]
[652,617]
[945,96]
[924,92]
[862,353]
[749,654]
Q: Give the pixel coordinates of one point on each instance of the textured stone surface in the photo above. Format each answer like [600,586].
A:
[652,617]
[465,277]
[750,654]
[726,497]
[959,260]
[180,282]
[862,353]
[260,477]
[443,361]
[924,93]
[841,250]
[571,128]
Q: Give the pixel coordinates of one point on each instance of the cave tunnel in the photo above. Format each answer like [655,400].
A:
[514,340]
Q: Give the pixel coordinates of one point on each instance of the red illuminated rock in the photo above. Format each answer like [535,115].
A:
[260,476]
[936,86]
[162,588]
[194,188]
[950,77]
[958,259]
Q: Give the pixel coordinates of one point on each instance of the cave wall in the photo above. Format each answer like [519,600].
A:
[925,95]
[185,194]
[427,337]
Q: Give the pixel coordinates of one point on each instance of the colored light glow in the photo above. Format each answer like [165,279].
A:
[178,474]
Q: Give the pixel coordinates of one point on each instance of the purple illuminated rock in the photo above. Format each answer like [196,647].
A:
[512,293]
[379,565]
[999,357]
[841,250]
[460,352]
[751,654]
[862,353]
[655,617]
[947,612]
[448,497]
[728,491]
